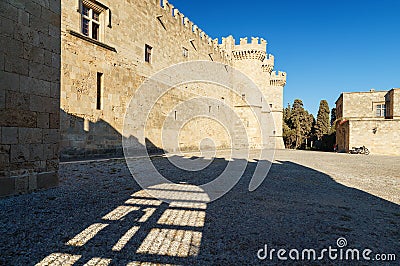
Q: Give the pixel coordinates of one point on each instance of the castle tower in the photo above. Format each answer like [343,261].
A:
[252,59]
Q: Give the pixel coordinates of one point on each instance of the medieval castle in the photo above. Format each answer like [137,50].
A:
[70,69]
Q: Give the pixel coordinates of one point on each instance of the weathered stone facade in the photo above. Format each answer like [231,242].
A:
[371,119]
[114,61]
[29,95]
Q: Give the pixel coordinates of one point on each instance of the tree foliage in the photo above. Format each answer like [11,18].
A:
[301,130]
[297,125]
[322,126]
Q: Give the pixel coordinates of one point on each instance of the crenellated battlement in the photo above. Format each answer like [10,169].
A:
[268,64]
[256,44]
[187,24]
[253,48]
[256,49]
[278,79]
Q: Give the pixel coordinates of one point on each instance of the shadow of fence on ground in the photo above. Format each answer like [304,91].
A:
[295,207]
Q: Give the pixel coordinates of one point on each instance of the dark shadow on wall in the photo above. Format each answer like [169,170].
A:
[295,207]
[82,139]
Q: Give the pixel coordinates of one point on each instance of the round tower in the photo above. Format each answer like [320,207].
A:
[252,59]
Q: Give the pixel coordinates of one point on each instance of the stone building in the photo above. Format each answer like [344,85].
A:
[110,47]
[72,68]
[371,119]
[29,95]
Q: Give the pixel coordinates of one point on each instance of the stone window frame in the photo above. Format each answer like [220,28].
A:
[93,8]
[148,52]
[380,109]
[185,52]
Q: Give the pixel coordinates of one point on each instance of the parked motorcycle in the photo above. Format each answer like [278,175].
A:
[360,150]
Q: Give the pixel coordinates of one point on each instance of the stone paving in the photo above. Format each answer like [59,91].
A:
[100,216]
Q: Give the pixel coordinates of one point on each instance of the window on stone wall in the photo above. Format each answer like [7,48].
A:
[381,110]
[147,53]
[185,52]
[99,90]
[91,13]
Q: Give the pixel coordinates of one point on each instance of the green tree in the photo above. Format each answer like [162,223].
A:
[322,125]
[288,132]
[333,120]
[297,126]
[333,116]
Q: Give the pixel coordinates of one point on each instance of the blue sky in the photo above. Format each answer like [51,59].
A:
[326,47]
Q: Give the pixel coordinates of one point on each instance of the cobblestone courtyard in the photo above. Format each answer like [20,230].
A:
[100,216]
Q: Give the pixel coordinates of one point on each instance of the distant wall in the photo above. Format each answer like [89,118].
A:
[29,95]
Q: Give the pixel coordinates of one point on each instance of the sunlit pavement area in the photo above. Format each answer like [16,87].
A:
[100,216]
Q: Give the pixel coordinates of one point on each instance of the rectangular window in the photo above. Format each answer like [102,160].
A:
[381,110]
[147,54]
[99,90]
[85,26]
[90,22]
[95,31]
[185,52]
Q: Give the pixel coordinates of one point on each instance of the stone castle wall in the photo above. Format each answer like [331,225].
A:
[29,95]
[119,55]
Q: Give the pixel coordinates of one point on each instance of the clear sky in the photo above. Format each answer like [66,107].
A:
[325,46]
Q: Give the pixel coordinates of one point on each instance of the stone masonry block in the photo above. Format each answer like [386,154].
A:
[19,153]
[2,98]
[17,100]
[55,90]
[55,74]
[32,182]
[43,120]
[51,151]
[47,180]
[23,33]
[21,118]
[23,17]
[40,71]
[38,24]
[34,86]
[55,60]
[36,152]
[1,61]
[32,8]
[33,53]
[9,135]
[55,120]
[7,186]
[50,17]
[55,6]
[51,136]
[9,81]
[21,184]
[16,65]
[13,49]
[40,104]
[4,160]
[7,27]
[8,11]
[30,135]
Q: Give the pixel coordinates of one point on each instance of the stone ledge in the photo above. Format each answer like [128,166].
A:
[83,37]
